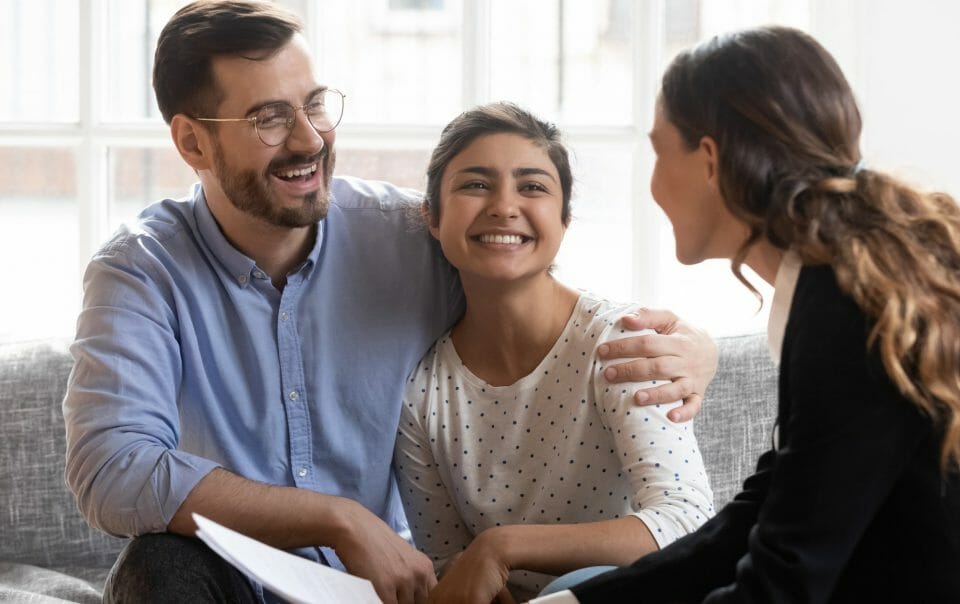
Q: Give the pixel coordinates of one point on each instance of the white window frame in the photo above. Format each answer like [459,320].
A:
[91,137]
[649,267]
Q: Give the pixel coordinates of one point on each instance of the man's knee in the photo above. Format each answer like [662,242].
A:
[164,567]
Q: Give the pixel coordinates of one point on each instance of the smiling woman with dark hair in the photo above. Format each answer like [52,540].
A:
[514,453]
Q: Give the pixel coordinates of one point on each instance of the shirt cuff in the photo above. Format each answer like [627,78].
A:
[561,597]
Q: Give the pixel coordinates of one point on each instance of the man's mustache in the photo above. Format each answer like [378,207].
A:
[298,160]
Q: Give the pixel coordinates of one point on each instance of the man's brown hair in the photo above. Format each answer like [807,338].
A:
[182,71]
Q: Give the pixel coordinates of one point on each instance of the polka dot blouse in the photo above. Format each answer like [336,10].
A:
[561,445]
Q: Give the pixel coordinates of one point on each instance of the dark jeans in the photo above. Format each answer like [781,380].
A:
[164,567]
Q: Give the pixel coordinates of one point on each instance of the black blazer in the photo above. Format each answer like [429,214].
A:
[852,506]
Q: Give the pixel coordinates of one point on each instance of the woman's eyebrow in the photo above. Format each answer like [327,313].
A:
[518,172]
[481,170]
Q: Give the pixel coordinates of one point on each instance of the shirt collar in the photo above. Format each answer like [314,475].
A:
[783,287]
[241,267]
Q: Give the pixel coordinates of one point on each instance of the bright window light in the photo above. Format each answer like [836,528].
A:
[82,148]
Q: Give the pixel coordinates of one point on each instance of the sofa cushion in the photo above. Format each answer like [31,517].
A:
[39,521]
[739,410]
[26,583]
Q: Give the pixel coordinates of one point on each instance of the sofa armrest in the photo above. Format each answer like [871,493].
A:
[38,517]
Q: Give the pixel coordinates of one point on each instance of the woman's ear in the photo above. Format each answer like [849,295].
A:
[191,142]
[708,147]
[428,219]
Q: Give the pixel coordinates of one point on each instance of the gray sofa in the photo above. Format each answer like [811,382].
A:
[48,554]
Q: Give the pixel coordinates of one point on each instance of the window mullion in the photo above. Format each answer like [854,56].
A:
[475,28]
[92,176]
[647,42]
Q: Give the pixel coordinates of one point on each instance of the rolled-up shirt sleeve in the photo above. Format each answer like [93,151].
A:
[120,410]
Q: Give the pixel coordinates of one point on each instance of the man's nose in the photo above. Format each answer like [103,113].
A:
[303,137]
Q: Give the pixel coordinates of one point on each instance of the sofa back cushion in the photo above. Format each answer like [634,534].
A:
[39,521]
[736,423]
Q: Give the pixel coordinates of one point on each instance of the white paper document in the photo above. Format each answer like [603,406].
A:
[291,577]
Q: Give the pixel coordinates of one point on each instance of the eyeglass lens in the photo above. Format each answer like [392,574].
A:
[275,121]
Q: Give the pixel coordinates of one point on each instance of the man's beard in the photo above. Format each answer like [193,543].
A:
[251,193]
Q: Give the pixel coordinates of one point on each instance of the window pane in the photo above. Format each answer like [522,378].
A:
[718,17]
[398,63]
[404,168]
[709,296]
[38,224]
[681,26]
[416,4]
[597,251]
[132,29]
[564,59]
[140,177]
[38,61]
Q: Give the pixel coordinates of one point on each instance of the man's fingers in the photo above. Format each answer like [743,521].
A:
[644,370]
[622,348]
[647,345]
[681,356]
[425,579]
[416,591]
[668,392]
[428,581]
[690,408]
[410,588]
[400,574]
[659,320]
[386,593]
[405,593]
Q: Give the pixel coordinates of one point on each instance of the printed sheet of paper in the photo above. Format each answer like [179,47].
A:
[291,577]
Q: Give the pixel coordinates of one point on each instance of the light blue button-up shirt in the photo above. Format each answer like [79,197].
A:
[188,359]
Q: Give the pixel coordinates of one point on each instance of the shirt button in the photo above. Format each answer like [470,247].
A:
[284,316]
[302,472]
[242,279]
[294,395]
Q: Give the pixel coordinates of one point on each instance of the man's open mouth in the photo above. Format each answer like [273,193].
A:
[296,174]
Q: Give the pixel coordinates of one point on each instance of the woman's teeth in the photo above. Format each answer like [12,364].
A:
[501,239]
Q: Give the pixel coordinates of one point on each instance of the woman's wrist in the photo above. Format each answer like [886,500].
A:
[498,543]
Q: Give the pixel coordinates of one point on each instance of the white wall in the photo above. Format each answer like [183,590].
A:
[901,59]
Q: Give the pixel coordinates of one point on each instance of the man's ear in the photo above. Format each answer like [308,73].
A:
[191,141]
[428,219]
[708,147]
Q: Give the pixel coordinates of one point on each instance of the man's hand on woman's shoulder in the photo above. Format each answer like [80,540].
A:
[679,353]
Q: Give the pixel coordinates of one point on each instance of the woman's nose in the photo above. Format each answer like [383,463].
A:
[503,204]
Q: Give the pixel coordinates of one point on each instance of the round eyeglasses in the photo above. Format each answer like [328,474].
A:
[274,122]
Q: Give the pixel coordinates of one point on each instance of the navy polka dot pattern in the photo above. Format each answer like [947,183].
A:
[561,445]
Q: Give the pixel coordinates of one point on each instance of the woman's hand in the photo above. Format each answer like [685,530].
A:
[678,352]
